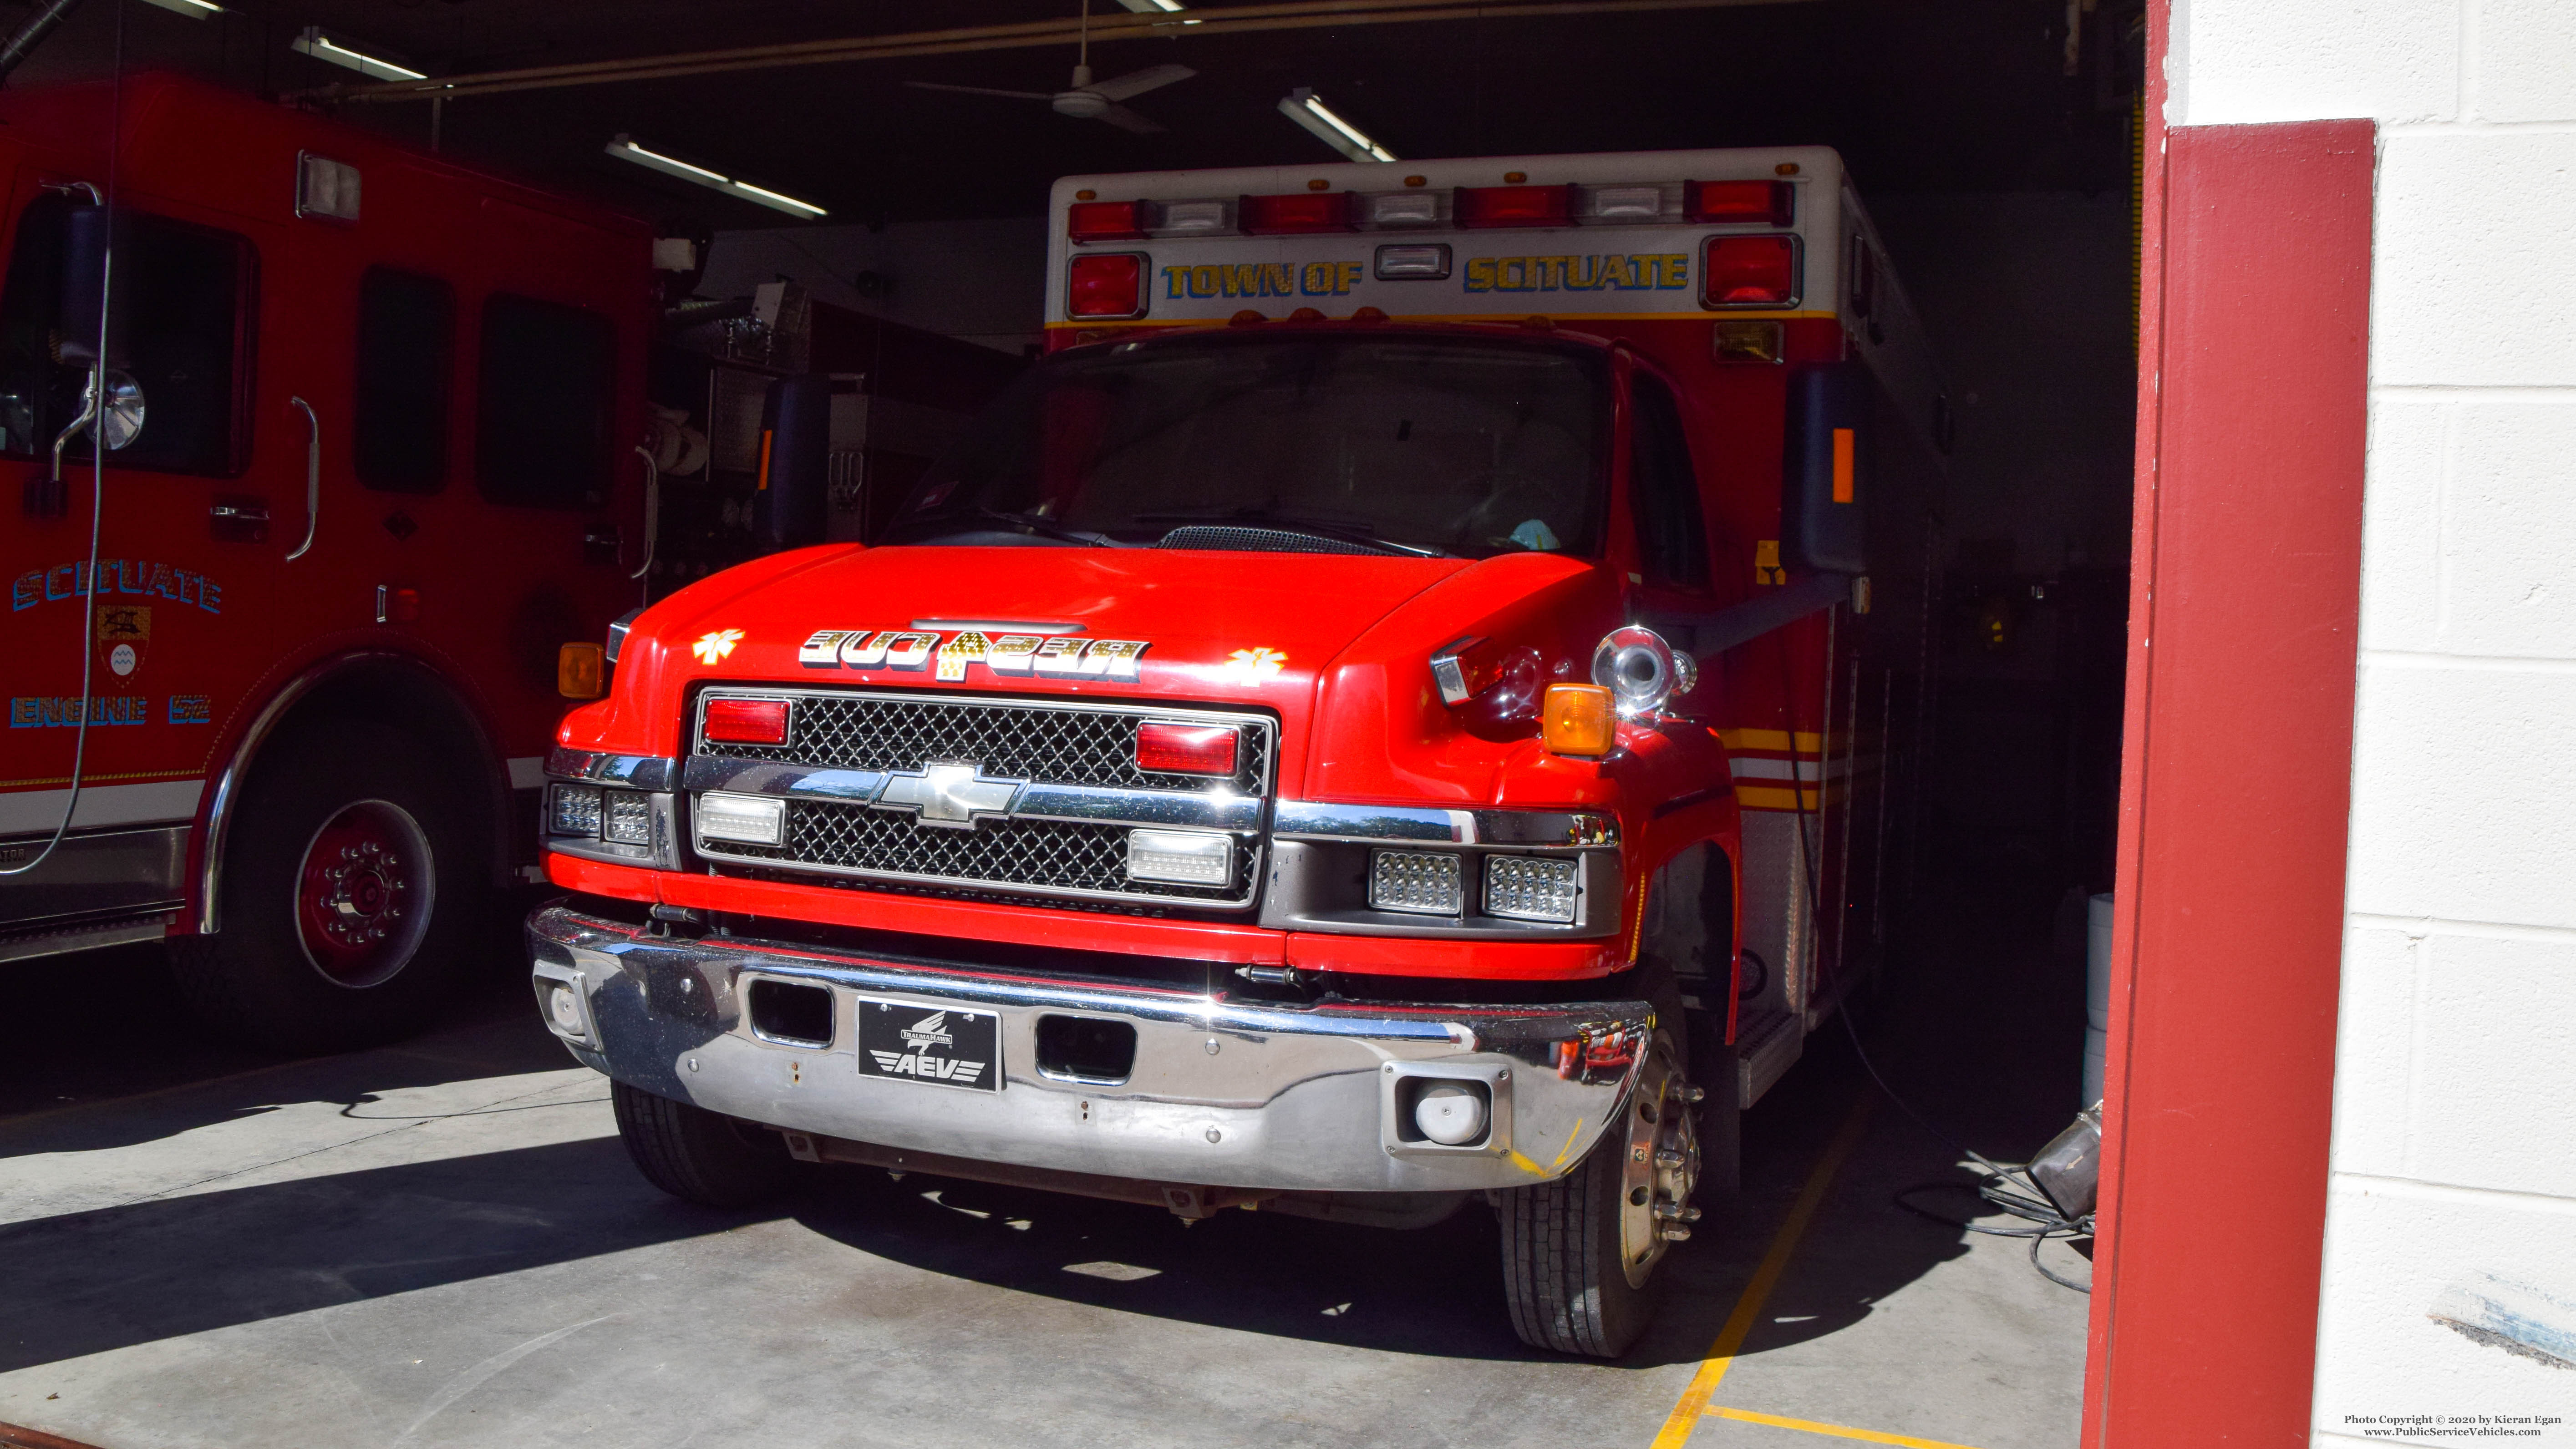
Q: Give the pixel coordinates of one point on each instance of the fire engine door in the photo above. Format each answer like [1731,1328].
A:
[184,614]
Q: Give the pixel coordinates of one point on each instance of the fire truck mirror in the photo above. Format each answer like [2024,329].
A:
[85,245]
[792,505]
[1825,482]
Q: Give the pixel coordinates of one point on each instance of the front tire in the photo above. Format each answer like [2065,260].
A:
[356,880]
[1580,1253]
[696,1155]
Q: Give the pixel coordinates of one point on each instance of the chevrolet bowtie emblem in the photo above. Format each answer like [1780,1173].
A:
[950,795]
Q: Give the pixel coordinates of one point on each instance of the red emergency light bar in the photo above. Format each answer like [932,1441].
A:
[1111,285]
[1091,221]
[1762,203]
[1297,212]
[1182,749]
[747,721]
[1491,206]
[1749,271]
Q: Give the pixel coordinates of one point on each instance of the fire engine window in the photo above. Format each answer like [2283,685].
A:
[1665,491]
[1462,446]
[406,324]
[543,404]
[174,342]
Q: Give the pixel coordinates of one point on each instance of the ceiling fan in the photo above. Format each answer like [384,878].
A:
[1088,100]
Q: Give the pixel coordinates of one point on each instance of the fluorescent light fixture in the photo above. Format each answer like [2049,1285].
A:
[625,149]
[1301,106]
[340,50]
[193,9]
[1152,7]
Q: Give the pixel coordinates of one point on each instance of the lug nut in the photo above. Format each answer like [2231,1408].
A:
[1672,1232]
[1675,1212]
[1670,1156]
[1694,1095]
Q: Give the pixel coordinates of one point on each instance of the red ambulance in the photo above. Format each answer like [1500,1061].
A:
[1407,704]
[370,421]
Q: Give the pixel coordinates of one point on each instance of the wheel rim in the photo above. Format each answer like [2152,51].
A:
[1658,1168]
[363,893]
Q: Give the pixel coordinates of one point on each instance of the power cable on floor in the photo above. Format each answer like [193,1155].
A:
[2007,1186]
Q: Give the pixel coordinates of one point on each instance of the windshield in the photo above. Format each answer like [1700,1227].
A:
[1458,446]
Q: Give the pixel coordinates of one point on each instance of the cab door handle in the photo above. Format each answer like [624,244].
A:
[238,520]
[312,478]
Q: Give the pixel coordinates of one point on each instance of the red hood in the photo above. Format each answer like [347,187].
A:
[1274,631]
[1192,611]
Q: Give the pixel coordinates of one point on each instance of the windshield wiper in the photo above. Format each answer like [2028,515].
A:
[1025,522]
[1326,528]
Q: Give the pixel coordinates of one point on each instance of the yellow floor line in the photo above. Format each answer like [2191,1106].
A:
[1838,1431]
[1730,1339]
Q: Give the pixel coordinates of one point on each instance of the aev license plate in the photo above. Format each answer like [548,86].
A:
[942,1044]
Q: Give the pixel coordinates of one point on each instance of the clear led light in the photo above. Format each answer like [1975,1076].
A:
[576,810]
[1181,857]
[1194,216]
[1427,263]
[1405,208]
[751,819]
[1528,888]
[1628,203]
[628,819]
[1424,882]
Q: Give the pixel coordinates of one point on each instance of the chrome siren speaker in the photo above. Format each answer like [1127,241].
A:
[1641,671]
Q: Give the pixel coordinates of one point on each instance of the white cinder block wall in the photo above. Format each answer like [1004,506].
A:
[2455,1081]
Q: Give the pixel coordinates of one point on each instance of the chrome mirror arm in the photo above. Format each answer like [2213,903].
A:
[89,415]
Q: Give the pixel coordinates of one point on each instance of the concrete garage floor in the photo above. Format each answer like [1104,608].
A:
[443,1243]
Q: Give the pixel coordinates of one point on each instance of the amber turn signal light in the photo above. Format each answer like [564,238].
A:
[581,671]
[1578,720]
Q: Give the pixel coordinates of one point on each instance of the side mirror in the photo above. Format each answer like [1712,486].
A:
[82,296]
[796,453]
[1825,474]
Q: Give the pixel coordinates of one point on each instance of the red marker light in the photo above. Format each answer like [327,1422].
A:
[1107,286]
[1762,203]
[1180,749]
[747,721]
[1481,206]
[1750,271]
[1299,212]
[1091,221]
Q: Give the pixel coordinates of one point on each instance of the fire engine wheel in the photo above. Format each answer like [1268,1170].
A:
[697,1155]
[1579,1253]
[352,884]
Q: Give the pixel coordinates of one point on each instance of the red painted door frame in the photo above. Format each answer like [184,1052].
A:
[2235,781]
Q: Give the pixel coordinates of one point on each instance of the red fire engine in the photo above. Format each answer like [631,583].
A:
[369,420]
[1404,704]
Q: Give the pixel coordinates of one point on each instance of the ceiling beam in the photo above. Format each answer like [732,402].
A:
[1226,20]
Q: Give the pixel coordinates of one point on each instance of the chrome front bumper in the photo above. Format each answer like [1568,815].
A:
[1222,1094]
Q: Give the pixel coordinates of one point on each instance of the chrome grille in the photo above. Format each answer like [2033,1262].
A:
[1062,746]
[1048,855]
[1069,857]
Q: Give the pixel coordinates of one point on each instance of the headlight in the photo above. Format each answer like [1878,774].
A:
[576,810]
[1424,882]
[751,819]
[1181,857]
[627,818]
[1529,888]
